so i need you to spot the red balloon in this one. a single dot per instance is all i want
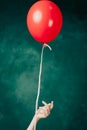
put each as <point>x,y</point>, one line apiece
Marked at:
<point>44,21</point>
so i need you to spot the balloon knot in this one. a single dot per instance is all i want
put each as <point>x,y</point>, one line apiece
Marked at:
<point>46,45</point>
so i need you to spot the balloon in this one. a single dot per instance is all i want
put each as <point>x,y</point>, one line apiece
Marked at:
<point>44,21</point>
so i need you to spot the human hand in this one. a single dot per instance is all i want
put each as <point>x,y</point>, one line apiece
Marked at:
<point>44,111</point>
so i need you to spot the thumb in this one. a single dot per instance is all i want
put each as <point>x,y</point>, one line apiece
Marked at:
<point>51,105</point>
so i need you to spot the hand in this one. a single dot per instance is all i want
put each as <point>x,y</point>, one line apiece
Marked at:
<point>44,111</point>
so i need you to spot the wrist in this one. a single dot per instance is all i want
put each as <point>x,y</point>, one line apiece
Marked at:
<point>36,117</point>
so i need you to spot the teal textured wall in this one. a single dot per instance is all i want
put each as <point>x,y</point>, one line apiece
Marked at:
<point>64,76</point>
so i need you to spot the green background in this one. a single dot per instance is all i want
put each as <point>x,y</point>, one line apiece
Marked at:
<point>64,77</point>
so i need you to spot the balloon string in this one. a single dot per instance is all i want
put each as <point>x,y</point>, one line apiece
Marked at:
<point>39,81</point>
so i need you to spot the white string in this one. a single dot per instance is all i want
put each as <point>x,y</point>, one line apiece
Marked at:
<point>39,81</point>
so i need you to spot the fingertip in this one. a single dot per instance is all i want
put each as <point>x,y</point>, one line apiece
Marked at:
<point>52,102</point>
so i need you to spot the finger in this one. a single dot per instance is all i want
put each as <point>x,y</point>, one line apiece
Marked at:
<point>52,102</point>
<point>44,111</point>
<point>44,103</point>
<point>45,108</point>
<point>41,111</point>
<point>51,105</point>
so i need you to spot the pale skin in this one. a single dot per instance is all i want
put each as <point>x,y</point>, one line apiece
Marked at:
<point>42,112</point>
